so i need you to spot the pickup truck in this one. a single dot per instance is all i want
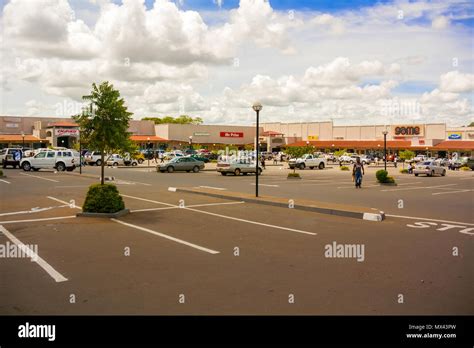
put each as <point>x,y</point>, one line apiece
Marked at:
<point>308,160</point>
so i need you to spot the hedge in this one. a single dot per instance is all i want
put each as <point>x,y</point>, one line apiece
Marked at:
<point>344,167</point>
<point>103,199</point>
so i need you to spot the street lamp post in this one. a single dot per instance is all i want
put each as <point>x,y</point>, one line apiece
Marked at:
<point>80,153</point>
<point>148,150</point>
<point>190,142</point>
<point>385,149</point>
<point>257,107</point>
<point>23,137</point>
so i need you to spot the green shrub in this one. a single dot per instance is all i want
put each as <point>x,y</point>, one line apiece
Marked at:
<point>103,199</point>
<point>213,161</point>
<point>404,171</point>
<point>344,168</point>
<point>464,167</point>
<point>1,172</point>
<point>293,175</point>
<point>381,175</point>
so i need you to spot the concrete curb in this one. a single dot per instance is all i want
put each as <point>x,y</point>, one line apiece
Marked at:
<point>317,207</point>
<point>105,215</point>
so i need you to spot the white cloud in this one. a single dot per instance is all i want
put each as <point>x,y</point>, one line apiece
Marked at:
<point>440,22</point>
<point>457,82</point>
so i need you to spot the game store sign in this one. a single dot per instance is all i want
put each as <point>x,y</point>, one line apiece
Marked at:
<point>407,130</point>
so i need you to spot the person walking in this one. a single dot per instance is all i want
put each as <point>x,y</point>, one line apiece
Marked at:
<point>395,159</point>
<point>357,172</point>
<point>262,162</point>
<point>161,156</point>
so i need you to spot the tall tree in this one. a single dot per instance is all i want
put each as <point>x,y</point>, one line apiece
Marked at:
<point>105,123</point>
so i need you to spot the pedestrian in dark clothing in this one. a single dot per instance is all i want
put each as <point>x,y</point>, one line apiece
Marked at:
<point>262,161</point>
<point>357,172</point>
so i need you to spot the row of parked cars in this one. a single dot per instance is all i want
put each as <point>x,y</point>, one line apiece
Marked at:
<point>59,158</point>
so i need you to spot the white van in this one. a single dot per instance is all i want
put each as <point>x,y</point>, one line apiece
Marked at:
<point>60,160</point>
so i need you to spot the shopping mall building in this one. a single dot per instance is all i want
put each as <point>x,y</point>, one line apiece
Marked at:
<point>434,138</point>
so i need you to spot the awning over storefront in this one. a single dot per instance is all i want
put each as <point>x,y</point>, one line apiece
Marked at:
<point>145,138</point>
<point>447,145</point>
<point>18,138</point>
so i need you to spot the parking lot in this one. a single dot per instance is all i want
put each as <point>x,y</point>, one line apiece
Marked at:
<point>179,253</point>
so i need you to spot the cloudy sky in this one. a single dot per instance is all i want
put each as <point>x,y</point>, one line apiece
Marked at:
<point>353,62</point>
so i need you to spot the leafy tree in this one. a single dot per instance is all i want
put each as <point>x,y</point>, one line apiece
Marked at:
<point>340,153</point>
<point>405,156</point>
<point>182,119</point>
<point>471,124</point>
<point>104,125</point>
<point>298,151</point>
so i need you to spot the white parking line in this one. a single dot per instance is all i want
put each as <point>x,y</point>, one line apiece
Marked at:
<point>252,222</point>
<point>265,185</point>
<point>214,188</point>
<point>417,188</point>
<point>37,220</point>
<point>32,210</point>
<point>352,186</point>
<point>447,193</point>
<point>64,202</point>
<point>178,207</point>
<point>149,200</point>
<point>223,216</point>
<point>428,219</point>
<point>195,246</point>
<point>39,177</point>
<point>58,277</point>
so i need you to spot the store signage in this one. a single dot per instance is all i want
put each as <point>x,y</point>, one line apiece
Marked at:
<point>232,134</point>
<point>63,132</point>
<point>408,130</point>
<point>454,136</point>
<point>201,134</point>
<point>313,137</point>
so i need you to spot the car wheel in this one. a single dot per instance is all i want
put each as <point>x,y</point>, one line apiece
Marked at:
<point>98,162</point>
<point>321,165</point>
<point>115,164</point>
<point>60,167</point>
<point>223,173</point>
<point>416,174</point>
<point>134,164</point>
<point>140,161</point>
<point>443,173</point>
<point>237,172</point>
<point>170,169</point>
<point>26,166</point>
<point>302,166</point>
<point>196,169</point>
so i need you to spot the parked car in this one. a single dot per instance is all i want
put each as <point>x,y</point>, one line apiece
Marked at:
<point>429,168</point>
<point>171,155</point>
<point>60,160</point>
<point>366,159</point>
<point>200,158</point>
<point>443,162</point>
<point>266,155</point>
<point>11,157</point>
<point>181,163</point>
<point>308,160</point>
<point>237,167</point>
<point>118,160</point>
<point>330,157</point>
<point>470,163</point>
<point>419,158</point>
<point>93,158</point>
<point>348,158</point>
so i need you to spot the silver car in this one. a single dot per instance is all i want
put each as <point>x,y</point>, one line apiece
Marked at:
<point>429,168</point>
<point>181,164</point>
<point>237,167</point>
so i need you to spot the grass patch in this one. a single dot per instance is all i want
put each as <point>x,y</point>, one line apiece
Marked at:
<point>344,168</point>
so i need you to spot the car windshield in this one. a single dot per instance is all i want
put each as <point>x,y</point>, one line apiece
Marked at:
<point>427,163</point>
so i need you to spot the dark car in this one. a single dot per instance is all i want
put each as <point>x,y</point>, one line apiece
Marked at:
<point>181,164</point>
<point>200,158</point>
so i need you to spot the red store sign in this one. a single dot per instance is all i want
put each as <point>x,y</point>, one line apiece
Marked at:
<point>232,134</point>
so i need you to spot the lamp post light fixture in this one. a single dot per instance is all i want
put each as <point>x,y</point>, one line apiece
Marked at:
<point>257,107</point>
<point>385,149</point>
<point>148,150</point>
<point>23,137</point>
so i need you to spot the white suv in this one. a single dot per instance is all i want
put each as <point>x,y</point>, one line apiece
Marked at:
<point>60,160</point>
